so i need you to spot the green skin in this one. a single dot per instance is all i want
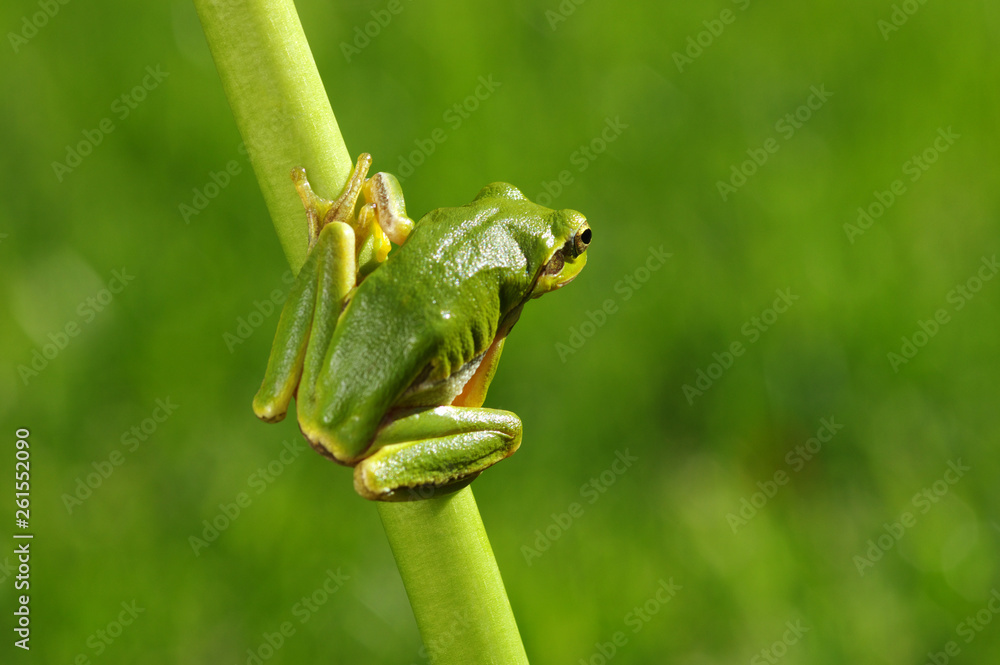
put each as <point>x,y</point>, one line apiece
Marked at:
<point>390,374</point>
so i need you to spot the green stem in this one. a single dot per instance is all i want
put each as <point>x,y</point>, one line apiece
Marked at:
<point>452,580</point>
<point>285,118</point>
<point>281,108</point>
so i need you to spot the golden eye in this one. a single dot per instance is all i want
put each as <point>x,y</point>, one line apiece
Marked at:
<point>581,240</point>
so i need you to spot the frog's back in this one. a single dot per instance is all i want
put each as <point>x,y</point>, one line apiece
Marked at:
<point>416,327</point>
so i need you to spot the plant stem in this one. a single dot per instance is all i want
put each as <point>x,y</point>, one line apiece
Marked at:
<point>281,108</point>
<point>285,118</point>
<point>452,580</point>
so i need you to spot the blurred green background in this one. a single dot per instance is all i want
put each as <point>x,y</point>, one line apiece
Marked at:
<point>700,506</point>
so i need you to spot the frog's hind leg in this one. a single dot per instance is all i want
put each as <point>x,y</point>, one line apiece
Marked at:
<point>336,274</point>
<point>429,451</point>
<point>307,321</point>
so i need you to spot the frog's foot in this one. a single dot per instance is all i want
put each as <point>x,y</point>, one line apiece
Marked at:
<point>384,199</point>
<point>435,451</point>
<point>320,211</point>
<point>372,245</point>
<point>381,219</point>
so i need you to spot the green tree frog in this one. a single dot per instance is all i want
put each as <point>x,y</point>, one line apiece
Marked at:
<point>389,355</point>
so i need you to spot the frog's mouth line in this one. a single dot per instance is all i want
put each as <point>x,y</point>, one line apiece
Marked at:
<point>571,269</point>
<point>557,273</point>
<point>559,285</point>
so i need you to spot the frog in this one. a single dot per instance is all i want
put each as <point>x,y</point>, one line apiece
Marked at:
<point>393,329</point>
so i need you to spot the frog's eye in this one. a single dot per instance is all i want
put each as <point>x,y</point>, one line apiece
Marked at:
<point>566,261</point>
<point>581,240</point>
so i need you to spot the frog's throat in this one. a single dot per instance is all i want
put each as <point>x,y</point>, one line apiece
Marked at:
<point>566,273</point>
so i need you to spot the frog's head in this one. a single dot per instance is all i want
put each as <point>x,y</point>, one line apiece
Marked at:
<point>563,262</point>
<point>554,242</point>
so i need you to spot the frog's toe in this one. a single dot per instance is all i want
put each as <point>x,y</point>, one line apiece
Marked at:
<point>269,416</point>
<point>269,407</point>
<point>384,195</point>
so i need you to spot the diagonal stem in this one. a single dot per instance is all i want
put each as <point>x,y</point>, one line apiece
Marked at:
<point>280,106</point>
<point>286,121</point>
<point>452,580</point>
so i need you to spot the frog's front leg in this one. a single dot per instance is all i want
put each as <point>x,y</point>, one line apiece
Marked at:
<point>384,201</point>
<point>381,219</point>
<point>320,211</point>
<point>435,449</point>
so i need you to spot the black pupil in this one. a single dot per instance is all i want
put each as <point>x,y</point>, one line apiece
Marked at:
<point>585,237</point>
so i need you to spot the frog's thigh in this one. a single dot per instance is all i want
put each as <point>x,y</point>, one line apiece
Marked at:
<point>284,366</point>
<point>336,273</point>
<point>434,449</point>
